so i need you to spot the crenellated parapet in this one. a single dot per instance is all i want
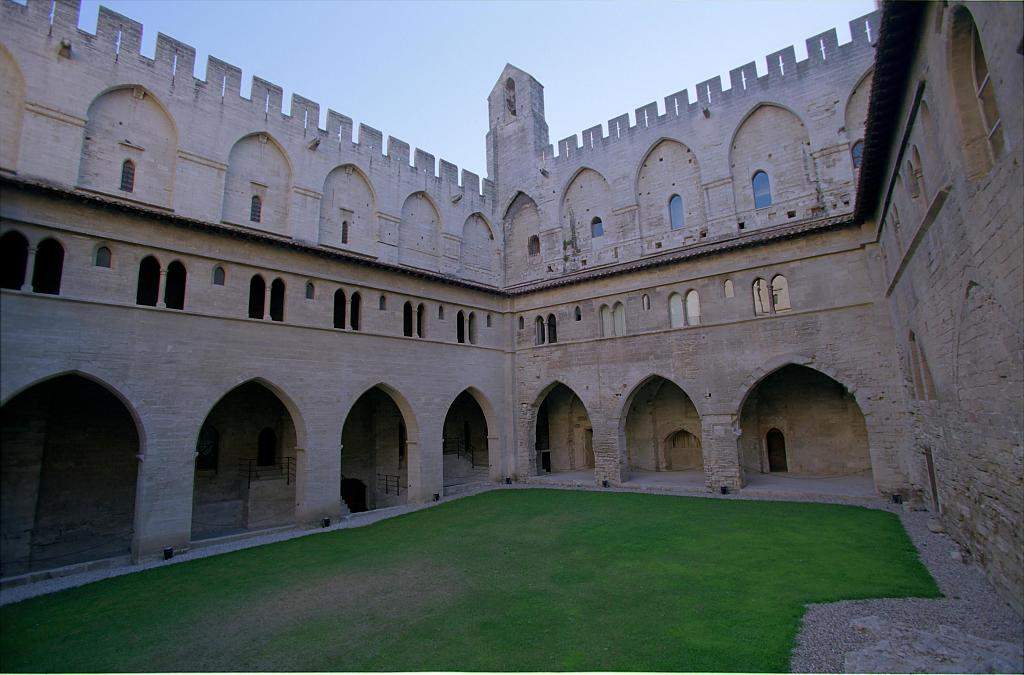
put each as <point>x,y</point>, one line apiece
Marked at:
<point>69,73</point>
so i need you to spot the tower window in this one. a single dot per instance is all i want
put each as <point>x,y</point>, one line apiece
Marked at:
<point>256,209</point>
<point>127,175</point>
<point>533,246</point>
<point>675,212</point>
<point>596,228</point>
<point>762,190</point>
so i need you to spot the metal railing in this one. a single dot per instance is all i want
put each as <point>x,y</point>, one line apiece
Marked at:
<point>389,483</point>
<point>457,446</point>
<point>250,470</point>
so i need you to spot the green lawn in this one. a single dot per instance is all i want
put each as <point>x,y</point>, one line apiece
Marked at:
<point>506,580</point>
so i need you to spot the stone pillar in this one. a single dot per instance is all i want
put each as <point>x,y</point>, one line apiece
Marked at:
<point>720,446</point>
<point>494,458</point>
<point>163,500</point>
<point>162,289</point>
<point>30,268</point>
<point>609,458</point>
<point>318,484</point>
<point>266,301</point>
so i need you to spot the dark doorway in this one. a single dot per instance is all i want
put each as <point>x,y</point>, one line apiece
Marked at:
<point>49,267</point>
<point>266,452</point>
<point>174,291</point>
<point>353,492</point>
<point>257,296</point>
<point>148,290</point>
<point>776,451</point>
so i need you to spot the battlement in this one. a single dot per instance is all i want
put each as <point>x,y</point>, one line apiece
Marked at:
<point>120,37</point>
<point>823,53</point>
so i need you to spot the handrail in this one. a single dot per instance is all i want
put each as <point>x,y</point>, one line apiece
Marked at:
<point>249,469</point>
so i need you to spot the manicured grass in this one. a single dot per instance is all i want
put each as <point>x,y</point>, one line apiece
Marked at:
<point>506,580</point>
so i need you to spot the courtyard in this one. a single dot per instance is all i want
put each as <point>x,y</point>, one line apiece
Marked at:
<point>505,580</point>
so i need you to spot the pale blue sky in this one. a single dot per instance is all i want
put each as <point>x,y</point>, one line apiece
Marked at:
<point>421,71</point>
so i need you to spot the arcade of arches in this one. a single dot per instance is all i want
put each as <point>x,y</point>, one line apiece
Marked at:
<point>663,429</point>
<point>564,436</point>
<point>374,453</point>
<point>465,449</point>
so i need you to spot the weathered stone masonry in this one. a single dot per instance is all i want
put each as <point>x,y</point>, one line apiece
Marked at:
<point>625,298</point>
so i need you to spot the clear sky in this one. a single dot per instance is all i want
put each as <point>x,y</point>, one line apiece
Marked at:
<point>421,71</point>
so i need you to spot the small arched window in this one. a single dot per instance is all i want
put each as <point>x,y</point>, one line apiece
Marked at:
<point>421,318</point>
<point>407,319</point>
<point>382,303</point>
<point>440,311</point>
<point>596,228</point>
<point>762,297</point>
<point>277,300</point>
<point>257,296</point>
<point>645,302</point>
<point>540,332</point>
<point>552,329</point>
<point>339,308</point>
<point>780,293</point>
<point>577,313</point>
<point>472,328</point>
<point>174,291</point>
<point>256,209</point>
<point>522,323</point>
<point>49,267</point>
<point>762,190</point>
<point>533,246</point>
<point>353,312</point>
<point>127,176</point>
<point>460,327</point>
<point>13,260</point>
<point>675,212</point>
<point>619,317</point>
<point>727,286</point>
<point>344,232</point>
<point>488,320</point>
<point>857,152</point>
<point>692,309</point>
<point>102,258</point>
<point>510,96</point>
<point>147,291</point>
<point>607,322</point>
<point>675,310</point>
<point>218,276</point>
<point>310,290</point>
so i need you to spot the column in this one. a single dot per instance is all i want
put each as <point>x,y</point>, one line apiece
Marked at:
<point>720,446</point>
<point>266,301</point>
<point>30,268</point>
<point>162,288</point>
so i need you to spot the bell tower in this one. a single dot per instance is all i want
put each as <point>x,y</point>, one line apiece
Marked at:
<point>517,134</point>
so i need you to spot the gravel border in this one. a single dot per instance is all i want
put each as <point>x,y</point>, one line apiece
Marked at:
<point>971,606</point>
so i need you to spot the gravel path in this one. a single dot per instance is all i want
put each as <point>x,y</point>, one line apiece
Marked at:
<point>971,610</point>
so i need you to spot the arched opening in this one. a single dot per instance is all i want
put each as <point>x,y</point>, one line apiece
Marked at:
<point>464,443</point>
<point>460,327</point>
<point>675,310</point>
<point>218,276</point>
<point>762,190</point>
<point>420,321</point>
<point>13,259</point>
<point>257,296</point>
<point>471,328</point>
<point>692,309</point>
<point>310,290</point>
<point>245,464</point>
<point>675,212</point>
<point>103,257</point>
<point>974,92</point>
<point>662,434</point>
<point>798,422</point>
<point>174,293</point>
<point>69,463</point>
<point>339,308</point>
<point>353,314</point>
<point>49,267</point>
<point>552,329</point>
<point>147,291</point>
<point>619,318</point>
<point>277,300</point>
<point>374,453</point>
<point>533,247</point>
<point>564,436</point>
<point>419,232</point>
<point>127,175</point>
<point>540,332</point>
<point>407,319</point>
<point>258,183</point>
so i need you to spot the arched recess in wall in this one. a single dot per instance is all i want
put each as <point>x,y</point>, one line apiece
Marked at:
<point>129,123</point>
<point>12,106</point>
<point>480,255</point>
<point>660,428</point>
<point>419,232</point>
<point>467,438</point>
<point>561,438</point>
<point>857,109</point>
<point>521,222</point>
<point>781,428</point>
<point>348,204</point>
<point>245,462</point>
<point>82,442</point>
<point>772,139</point>
<point>669,168</point>
<point>587,196</point>
<point>378,442</point>
<point>258,167</point>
